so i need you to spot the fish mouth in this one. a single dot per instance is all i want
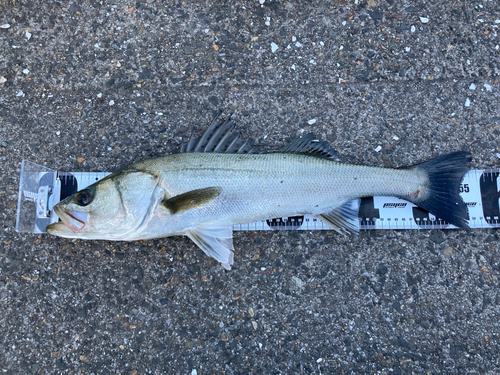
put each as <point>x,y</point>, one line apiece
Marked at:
<point>71,221</point>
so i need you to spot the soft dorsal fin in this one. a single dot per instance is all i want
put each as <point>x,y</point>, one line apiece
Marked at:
<point>220,137</point>
<point>309,145</point>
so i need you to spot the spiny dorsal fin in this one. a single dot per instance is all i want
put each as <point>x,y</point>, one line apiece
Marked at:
<point>220,137</point>
<point>344,219</point>
<point>309,145</point>
<point>191,199</point>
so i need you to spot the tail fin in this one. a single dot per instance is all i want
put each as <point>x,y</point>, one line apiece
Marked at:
<point>445,175</point>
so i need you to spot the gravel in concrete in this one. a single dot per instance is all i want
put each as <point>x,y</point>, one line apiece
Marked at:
<point>94,85</point>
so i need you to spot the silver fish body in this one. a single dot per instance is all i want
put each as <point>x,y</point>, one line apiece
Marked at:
<point>261,186</point>
<point>219,181</point>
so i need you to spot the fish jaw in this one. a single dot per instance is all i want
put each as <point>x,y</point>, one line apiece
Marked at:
<point>72,222</point>
<point>60,229</point>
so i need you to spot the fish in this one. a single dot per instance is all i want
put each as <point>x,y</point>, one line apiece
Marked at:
<point>217,180</point>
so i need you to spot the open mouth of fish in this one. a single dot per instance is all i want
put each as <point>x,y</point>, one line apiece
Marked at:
<point>73,221</point>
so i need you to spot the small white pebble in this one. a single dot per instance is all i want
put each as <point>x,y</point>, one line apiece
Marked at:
<point>424,19</point>
<point>111,102</point>
<point>487,87</point>
<point>268,21</point>
<point>28,35</point>
<point>298,44</point>
<point>319,360</point>
<point>413,28</point>
<point>58,132</point>
<point>261,2</point>
<point>396,138</point>
<point>194,372</point>
<point>274,47</point>
<point>407,49</point>
<point>498,155</point>
<point>5,26</point>
<point>3,79</point>
<point>260,345</point>
<point>472,86</point>
<point>118,64</point>
<point>20,93</point>
<point>378,148</point>
<point>99,95</point>
<point>497,21</point>
<point>312,121</point>
<point>293,66</point>
<point>294,38</point>
<point>96,45</point>
<point>467,102</point>
<point>26,71</point>
<point>312,62</point>
<point>344,23</point>
<point>321,43</point>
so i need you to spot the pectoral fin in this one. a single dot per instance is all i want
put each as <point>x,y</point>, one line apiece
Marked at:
<point>344,219</point>
<point>191,199</point>
<point>216,240</point>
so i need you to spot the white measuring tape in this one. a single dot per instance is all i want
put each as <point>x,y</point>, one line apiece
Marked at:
<point>41,188</point>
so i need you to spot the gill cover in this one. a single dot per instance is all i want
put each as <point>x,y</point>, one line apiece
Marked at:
<point>114,208</point>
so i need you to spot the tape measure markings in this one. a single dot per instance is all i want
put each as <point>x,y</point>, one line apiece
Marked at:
<point>480,190</point>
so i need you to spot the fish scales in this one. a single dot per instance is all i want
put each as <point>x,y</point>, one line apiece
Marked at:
<point>262,186</point>
<point>218,181</point>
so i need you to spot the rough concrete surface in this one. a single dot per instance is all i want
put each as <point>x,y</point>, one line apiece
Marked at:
<point>93,85</point>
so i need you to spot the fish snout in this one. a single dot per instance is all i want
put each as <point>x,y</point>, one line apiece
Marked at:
<point>73,220</point>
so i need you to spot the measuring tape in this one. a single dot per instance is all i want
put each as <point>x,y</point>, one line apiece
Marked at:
<point>42,188</point>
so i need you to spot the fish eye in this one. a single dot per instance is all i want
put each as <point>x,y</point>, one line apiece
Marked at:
<point>84,197</point>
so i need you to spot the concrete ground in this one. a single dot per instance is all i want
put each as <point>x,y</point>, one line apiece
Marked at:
<point>93,85</point>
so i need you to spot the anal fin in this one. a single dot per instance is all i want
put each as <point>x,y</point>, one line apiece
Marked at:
<point>344,219</point>
<point>216,240</point>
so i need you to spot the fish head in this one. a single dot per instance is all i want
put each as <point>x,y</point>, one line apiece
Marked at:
<point>111,209</point>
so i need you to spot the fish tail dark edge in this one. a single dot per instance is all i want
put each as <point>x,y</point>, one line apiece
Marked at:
<point>445,175</point>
